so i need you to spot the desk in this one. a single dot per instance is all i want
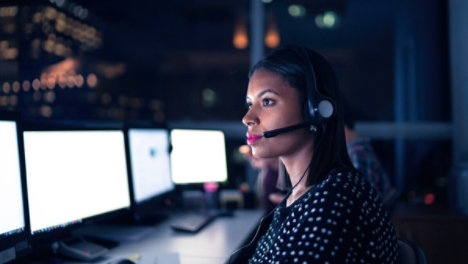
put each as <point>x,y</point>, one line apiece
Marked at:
<point>211,245</point>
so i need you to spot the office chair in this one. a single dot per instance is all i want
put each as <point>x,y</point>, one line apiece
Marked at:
<point>410,252</point>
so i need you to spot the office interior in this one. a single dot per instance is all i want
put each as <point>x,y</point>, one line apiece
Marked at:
<point>115,66</point>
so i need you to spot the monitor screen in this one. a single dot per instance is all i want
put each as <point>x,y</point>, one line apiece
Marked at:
<point>198,156</point>
<point>13,236</point>
<point>11,196</point>
<point>73,175</point>
<point>149,162</point>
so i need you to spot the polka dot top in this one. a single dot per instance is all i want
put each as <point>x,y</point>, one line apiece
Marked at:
<point>340,220</point>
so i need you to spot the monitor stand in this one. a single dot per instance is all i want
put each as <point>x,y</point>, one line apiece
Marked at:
<point>150,219</point>
<point>117,233</point>
<point>80,248</point>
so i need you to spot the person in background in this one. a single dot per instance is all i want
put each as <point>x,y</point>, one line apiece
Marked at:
<point>365,160</point>
<point>267,178</point>
<point>331,214</point>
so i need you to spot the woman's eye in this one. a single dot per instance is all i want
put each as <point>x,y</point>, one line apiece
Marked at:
<point>248,105</point>
<point>267,102</point>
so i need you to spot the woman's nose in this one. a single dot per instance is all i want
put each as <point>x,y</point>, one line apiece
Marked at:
<point>250,118</point>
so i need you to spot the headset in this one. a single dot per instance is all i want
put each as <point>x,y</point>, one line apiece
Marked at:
<point>318,109</point>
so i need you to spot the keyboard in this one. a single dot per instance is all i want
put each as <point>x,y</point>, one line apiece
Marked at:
<point>192,222</point>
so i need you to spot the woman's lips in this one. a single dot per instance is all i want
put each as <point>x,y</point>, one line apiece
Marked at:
<point>252,138</point>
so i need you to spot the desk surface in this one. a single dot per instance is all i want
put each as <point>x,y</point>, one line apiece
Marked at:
<point>213,244</point>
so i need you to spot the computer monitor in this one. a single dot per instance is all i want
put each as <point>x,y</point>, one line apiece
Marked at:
<point>74,176</point>
<point>198,156</point>
<point>13,223</point>
<point>149,163</point>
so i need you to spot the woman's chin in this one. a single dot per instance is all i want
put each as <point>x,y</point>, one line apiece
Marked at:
<point>262,154</point>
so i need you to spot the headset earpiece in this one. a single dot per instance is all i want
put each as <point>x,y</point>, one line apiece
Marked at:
<point>318,109</point>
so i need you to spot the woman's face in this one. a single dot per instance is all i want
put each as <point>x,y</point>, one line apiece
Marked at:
<point>273,104</point>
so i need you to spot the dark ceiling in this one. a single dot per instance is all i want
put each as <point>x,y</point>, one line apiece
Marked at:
<point>175,48</point>
<point>144,32</point>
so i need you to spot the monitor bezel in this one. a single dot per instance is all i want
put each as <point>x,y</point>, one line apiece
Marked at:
<point>20,241</point>
<point>147,207</point>
<point>64,231</point>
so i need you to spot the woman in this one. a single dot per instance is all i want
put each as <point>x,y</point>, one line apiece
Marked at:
<point>331,214</point>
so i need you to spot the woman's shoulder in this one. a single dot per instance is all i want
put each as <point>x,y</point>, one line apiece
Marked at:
<point>343,198</point>
<point>342,177</point>
<point>342,183</point>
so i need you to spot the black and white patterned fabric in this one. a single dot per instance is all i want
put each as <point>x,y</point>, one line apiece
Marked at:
<point>340,220</point>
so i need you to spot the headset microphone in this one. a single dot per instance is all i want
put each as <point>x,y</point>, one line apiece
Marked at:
<point>275,132</point>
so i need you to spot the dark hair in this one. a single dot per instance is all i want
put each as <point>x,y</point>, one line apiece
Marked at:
<point>330,146</point>
<point>348,114</point>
